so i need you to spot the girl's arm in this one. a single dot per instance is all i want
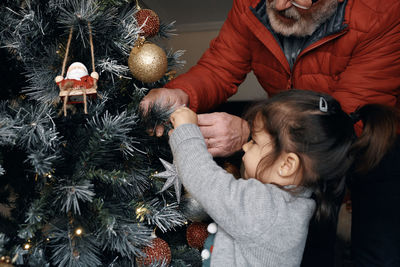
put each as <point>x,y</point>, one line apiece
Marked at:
<point>243,208</point>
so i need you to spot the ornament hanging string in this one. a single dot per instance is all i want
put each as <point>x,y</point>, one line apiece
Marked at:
<point>65,63</point>
<point>91,46</point>
<point>67,51</point>
<point>69,44</point>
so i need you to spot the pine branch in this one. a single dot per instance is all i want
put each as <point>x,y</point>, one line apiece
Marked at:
<point>42,161</point>
<point>8,133</point>
<point>124,237</point>
<point>167,30</point>
<point>3,242</point>
<point>72,250</point>
<point>124,184</point>
<point>111,66</point>
<point>40,75</point>
<point>157,115</point>
<point>155,212</point>
<point>37,258</point>
<point>185,256</point>
<point>108,134</point>
<point>36,127</point>
<point>69,194</point>
<point>174,61</point>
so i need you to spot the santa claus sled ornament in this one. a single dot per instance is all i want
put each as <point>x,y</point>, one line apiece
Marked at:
<point>77,85</point>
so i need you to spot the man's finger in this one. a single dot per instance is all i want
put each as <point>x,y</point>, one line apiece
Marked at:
<point>159,130</point>
<point>144,105</point>
<point>215,151</point>
<point>206,119</point>
<point>207,131</point>
<point>150,132</point>
<point>212,142</point>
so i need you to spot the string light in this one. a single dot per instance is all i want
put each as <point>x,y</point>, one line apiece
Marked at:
<point>5,259</point>
<point>78,231</point>
<point>27,246</point>
<point>141,213</point>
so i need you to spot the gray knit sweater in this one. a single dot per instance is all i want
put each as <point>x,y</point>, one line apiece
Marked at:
<point>258,224</point>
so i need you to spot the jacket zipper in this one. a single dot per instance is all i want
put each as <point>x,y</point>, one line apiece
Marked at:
<point>311,47</point>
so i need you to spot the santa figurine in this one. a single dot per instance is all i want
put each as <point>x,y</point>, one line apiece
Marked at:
<point>77,85</point>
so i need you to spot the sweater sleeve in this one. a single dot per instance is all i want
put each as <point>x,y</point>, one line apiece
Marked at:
<point>244,208</point>
<point>222,68</point>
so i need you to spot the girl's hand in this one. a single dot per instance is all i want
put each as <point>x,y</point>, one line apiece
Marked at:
<point>183,115</point>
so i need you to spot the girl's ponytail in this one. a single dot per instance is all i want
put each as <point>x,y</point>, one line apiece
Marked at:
<point>379,133</point>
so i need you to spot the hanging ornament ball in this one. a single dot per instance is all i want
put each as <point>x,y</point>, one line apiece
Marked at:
<point>149,21</point>
<point>192,209</point>
<point>157,251</point>
<point>148,62</point>
<point>196,234</point>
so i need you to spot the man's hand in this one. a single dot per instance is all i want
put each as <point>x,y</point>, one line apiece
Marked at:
<point>183,115</point>
<point>224,133</point>
<point>164,97</point>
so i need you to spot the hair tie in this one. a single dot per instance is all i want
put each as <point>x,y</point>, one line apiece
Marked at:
<point>355,117</point>
<point>323,104</point>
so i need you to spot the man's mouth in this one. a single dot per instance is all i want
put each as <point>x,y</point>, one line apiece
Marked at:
<point>287,20</point>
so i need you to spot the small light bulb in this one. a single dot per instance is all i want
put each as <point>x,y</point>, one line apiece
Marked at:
<point>27,246</point>
<point>78,231</point>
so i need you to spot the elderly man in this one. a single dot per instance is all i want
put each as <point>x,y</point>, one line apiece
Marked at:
<point>347,48</point>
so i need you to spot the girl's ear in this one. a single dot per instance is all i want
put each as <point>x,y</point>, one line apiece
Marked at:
<point>290,164</point>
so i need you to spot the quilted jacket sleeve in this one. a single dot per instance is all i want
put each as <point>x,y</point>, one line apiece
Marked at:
<point>222,67</point>
<point>373,73</point>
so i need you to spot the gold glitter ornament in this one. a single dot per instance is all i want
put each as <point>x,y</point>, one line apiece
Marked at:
<point>147,62</point>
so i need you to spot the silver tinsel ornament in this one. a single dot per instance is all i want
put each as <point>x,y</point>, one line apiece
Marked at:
<point>192,209</point>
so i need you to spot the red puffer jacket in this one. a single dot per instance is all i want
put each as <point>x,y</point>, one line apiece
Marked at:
<point>358,65</point>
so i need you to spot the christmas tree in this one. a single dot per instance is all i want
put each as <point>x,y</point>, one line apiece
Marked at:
<point>78,171</point>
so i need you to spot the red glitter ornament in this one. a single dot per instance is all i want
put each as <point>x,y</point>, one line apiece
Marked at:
<point>196,234</point>
<point>157,251</point>
<point>151,25</point>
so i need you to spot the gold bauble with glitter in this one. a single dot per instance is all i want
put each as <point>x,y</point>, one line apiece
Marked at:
<point>147,62</point>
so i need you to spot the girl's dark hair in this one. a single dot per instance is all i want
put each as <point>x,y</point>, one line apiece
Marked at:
<point>314,126</point>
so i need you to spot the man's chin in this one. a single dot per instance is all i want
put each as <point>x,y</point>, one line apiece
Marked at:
<point>289,26</point>
<point>294,22</point>
<point>284,21</point>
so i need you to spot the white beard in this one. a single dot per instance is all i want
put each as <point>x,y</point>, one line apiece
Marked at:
<point>303,25</point>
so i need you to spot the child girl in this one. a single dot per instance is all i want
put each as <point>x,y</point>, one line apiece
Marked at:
<point>302,145</point>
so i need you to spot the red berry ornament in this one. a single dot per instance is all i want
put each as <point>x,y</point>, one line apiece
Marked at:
<point>157,251</point>
<point>196,234</point>
<point>151,26</point>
